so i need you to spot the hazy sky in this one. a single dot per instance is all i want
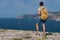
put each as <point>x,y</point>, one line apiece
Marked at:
<point>14,8</point>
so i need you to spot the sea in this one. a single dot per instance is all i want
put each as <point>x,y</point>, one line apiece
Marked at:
<point>28,24</point>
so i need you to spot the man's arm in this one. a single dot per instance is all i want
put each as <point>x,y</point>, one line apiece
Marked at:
<point>39,12</point>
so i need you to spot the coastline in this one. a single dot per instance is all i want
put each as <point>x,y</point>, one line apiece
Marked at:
<point>9,34</point>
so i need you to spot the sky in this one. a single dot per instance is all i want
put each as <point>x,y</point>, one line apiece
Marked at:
<point>14,8</point>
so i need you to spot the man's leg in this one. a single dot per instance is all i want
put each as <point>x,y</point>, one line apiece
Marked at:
<point>37,27</point>
<point>44,30</point>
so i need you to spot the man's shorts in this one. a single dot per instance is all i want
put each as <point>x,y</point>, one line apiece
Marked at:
<point>39,21</point>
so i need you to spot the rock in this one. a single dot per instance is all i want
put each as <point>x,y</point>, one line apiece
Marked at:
<point>27,35</point>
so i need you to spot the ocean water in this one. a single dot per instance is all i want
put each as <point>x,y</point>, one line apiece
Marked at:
<point>28,24</point>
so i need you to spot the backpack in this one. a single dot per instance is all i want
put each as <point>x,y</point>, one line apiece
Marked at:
<point>44,14</point>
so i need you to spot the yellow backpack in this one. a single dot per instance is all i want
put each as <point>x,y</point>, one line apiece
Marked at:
<point>44,14</point>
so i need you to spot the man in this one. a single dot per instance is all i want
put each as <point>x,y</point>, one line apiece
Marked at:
<point>41,20</point>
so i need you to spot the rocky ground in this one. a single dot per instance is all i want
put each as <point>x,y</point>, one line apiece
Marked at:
<point>26,35</point>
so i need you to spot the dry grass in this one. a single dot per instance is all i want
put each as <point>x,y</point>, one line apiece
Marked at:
<point>16,39</point>
<point>26,37</point>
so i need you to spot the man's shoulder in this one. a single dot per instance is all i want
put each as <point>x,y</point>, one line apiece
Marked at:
<point>43,7</point>
<point>39,8</point>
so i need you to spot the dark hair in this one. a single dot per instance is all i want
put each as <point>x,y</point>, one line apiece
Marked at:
<point>41,3</point>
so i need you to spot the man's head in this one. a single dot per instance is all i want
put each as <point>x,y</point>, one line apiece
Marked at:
<point>41,3</point>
